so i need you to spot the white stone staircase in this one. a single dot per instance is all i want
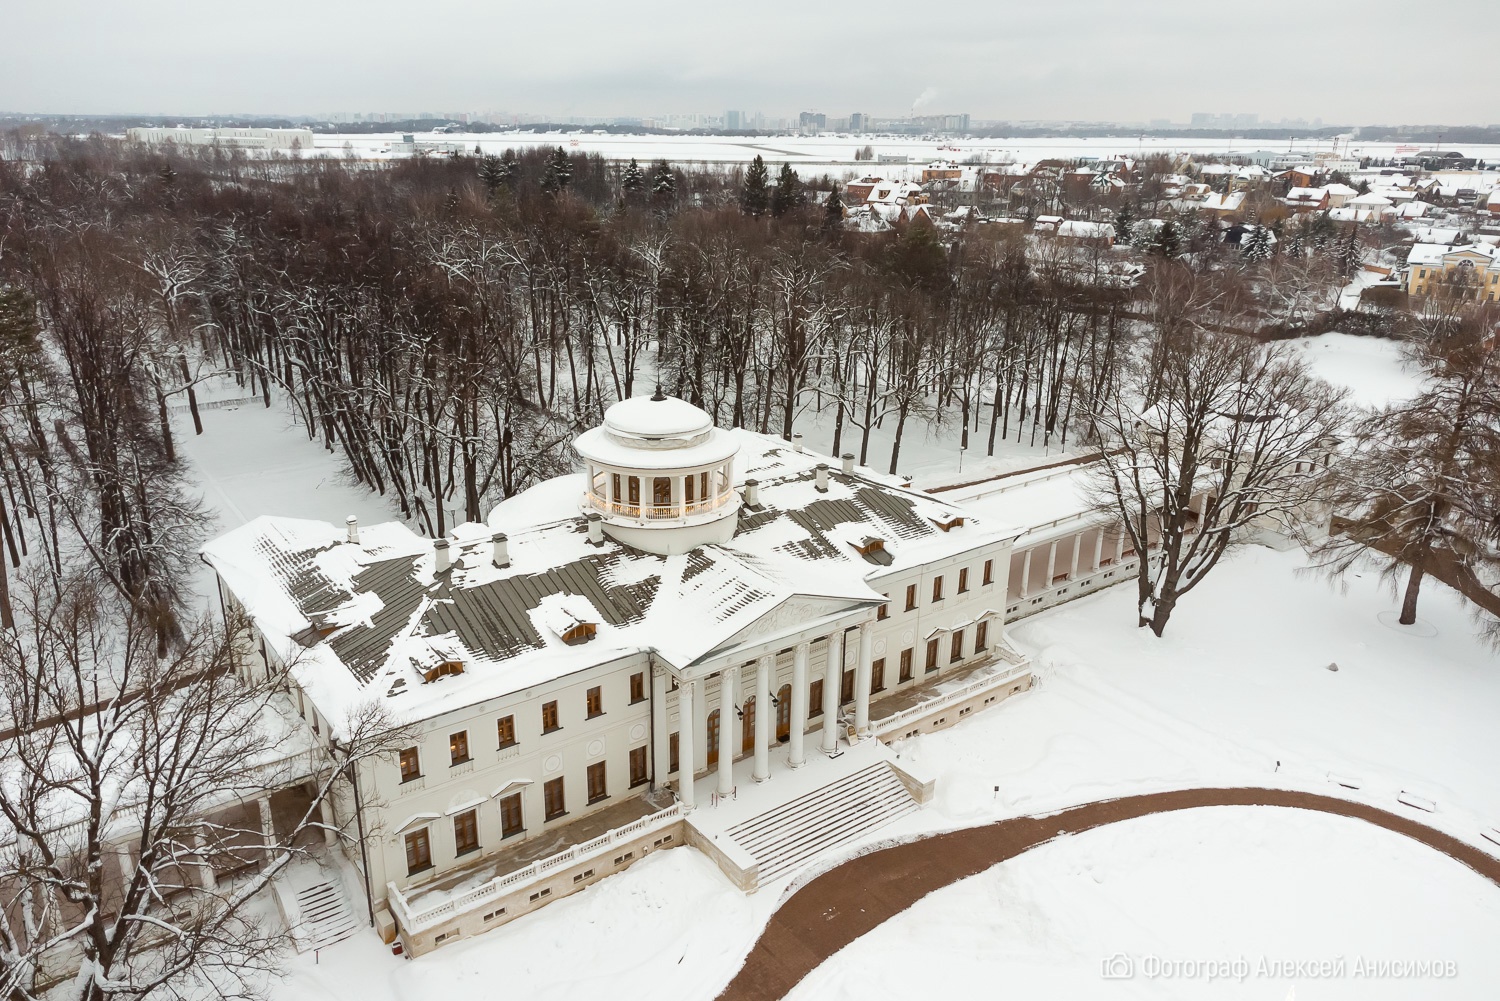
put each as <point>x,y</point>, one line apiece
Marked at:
<point>323,915</point>
<point>790,834</point>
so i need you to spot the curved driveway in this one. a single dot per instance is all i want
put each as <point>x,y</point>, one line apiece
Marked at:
<point>844,903</point>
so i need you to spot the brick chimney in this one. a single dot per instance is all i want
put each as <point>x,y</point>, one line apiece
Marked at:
<point>441,560</point>
<point>351,529</point>
<point>502,550</point>
<point>822,477</point>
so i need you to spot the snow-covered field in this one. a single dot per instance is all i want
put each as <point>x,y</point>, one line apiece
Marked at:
<point>838,150</point>
<point>1372,369</point>
<point>1212,903</point>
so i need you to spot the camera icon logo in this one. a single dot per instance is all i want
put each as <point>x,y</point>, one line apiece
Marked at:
<point>1118,967</point>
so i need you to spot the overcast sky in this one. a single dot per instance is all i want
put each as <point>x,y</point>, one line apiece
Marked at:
<point>1048,59</point>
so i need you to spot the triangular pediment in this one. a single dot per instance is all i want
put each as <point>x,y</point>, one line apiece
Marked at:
<point>790,616</point>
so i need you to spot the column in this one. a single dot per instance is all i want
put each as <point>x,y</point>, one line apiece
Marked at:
<point>1120,545</point>
<point>729,726</point>
<point>862,679</point>
<point>1026,574</point>
<point>205,870</point>
<point>832,678</point>
<point>799,703</point>
<point>661,734</point>
<point>764,714</point>
<point>330,822</point>
<point>1077,545</point>
<point>267,826</point>
<point>1098,545</point>
<point>676,484</point>
<point>1051,563</point>
<point>609,490</point>
<point>687,731</point>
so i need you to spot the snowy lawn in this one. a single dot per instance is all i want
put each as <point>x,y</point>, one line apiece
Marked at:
<point>1263,887</point>
<point>1238,692</point>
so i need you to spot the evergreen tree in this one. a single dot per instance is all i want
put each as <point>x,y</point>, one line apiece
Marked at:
<point>663,186</point>
<point>787,195</point>
<point>1257,245</point>
<point>1347,256</point>
<point>755,196</point>
<point>633,181</point>
<point>1124,219</point>
<point>833,209</point>
<point>1167,242</point>
<point>1321,230</point>
<point>510,167</point>
<point>559,172</point>
<point>492,173</point>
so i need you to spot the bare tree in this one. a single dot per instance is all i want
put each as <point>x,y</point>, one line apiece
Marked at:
<point>1417,492</point>
<point>1206,437</point>
<point>131,780</point>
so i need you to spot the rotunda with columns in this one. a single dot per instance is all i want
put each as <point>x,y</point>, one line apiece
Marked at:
<point>660,475</point>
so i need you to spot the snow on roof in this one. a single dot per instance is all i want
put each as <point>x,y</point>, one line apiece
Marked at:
<point>1430,254</point>
<point>355,623</point>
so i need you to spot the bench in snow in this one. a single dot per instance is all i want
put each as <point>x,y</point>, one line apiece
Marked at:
<point>1416,802</point>
<point>1347,781</point>
<point>1491,834</point>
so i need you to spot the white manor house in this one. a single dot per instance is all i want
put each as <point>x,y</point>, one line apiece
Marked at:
<point>708,637</point>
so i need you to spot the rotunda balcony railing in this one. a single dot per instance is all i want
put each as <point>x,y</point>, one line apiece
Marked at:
<point>659,512</point>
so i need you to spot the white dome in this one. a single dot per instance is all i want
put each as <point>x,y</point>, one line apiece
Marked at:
<point>656,417</point>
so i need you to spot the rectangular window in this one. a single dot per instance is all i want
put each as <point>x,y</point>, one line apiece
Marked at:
<point>505,729</point>
<point>595,698</point>
<point>458,747</point>
<point>637,688</point>
<point>877,675</point>
<point>510,815</point>
<point>411,764</point>
<point>905,674</point>
<point>937,588</point>
<point>981,636</point>
<point>884,611</point>
<point>466,832</point>
<point>956,654</point>
<point>989,571</point>
<point>552,799</point>
<point>963,580</point>
<point>549,717</point>
<point>638,774</point>
<point>932,655</point>
<point>911,596</point>
<point>846,687</point>
<point>815,699</point>
<point>418,852</point>
<point>597,791</point>
<point>672,765</point>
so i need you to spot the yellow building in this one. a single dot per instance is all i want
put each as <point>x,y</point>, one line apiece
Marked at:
<point>1472,272</point>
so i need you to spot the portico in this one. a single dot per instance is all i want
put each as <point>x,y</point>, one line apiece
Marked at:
<point>747,701</point>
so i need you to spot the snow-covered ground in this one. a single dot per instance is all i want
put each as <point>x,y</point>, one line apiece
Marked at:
<point>1372,369</point>
<point>840,149</point>
<point>1210,903</point>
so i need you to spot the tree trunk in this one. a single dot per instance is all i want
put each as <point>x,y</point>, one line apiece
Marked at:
<point>1409,601</point>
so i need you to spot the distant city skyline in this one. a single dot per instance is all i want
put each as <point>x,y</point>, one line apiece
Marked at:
<point>1082,60</point>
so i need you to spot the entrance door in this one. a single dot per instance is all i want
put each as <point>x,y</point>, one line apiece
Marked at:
<point>747,732</point>
<point>713,738</point>
<point>784,713</point>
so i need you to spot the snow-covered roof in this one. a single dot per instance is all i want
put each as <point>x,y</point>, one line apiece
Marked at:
<point>368,620</point>
<point>1435,254</point>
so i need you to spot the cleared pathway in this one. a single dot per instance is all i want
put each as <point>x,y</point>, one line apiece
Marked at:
<point>846,902</point>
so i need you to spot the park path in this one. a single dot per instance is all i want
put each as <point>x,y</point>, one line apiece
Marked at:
<point>839,906</point>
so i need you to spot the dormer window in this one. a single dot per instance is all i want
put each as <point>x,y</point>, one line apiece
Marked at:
<point>443,670</point>
<point>948,522</point>
<point>872,548</point>
<point>581,632</point>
